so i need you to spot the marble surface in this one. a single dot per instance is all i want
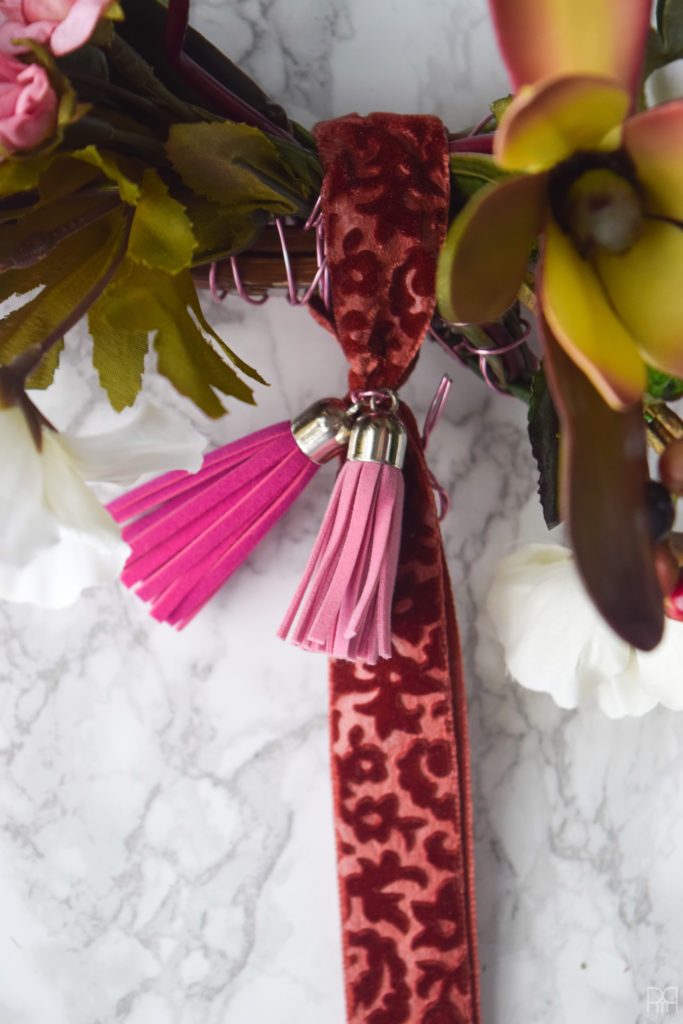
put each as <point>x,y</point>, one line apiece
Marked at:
<point>166,843</point>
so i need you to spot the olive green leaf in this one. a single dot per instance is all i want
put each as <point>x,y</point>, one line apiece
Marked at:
<point>118,354</point>
<point>161,235</point>
<point>471,172</point>
<point>42,227</point>
<point>498,107</point>
<point>19,174</point>
<point>221,231</point>
<point>144,300</point>
<point>236,165</point>
<point>81,260</point>
<point>114,167</point>
<point>65,175</point>
<point>44,375</point>
<point>192,300</point>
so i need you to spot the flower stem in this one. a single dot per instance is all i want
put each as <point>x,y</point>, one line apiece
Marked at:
<point>27,362</point>
<point>39,245</point>
<point>89,131</point>
<point>131,66</point>
<point>228,102</point>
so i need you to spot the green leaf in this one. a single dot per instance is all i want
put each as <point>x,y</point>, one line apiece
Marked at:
<point>236,165</point>
<point>161,235</point>
<point>472,171</point>
<point>219,231</point>
<point>118,354</point>
<point>21,174</point>
<point>64,176</point>
<point>544,435</point>
<point>64,260</point>
<point>670,25</point>
<point>192,300</point>
<point>303,162</point>
<point>44,226</point>
<point>662,387</point>
<point>44,375</point>
<point>86,256</point>
<point>498,107</point>
<point>655,54</point>
<point>145,300</point>
<point>604,502</point>
<point>115,168</point>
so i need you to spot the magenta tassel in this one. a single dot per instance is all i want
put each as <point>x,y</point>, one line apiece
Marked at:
<point>194,530</point>
<point>343,603</point>
<point>189,531</point>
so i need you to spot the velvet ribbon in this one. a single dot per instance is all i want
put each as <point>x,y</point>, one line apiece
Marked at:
<point>400,758</point>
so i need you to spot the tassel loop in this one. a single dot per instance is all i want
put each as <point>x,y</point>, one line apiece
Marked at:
<point>343,603</point>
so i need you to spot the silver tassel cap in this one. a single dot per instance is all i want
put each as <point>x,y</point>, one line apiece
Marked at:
<point>377,435</point>
<point>322,430</point>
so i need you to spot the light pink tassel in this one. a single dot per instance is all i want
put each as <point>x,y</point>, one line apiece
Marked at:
<point>343,603</point>
<point>190,532</point>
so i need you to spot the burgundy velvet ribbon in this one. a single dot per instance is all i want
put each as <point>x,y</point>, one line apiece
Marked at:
<point>400,757</point>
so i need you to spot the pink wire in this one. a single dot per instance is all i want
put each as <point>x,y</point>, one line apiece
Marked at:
<point>480,125</point>
<point>431,420</point>
<point>482,353</point>
<point>239,287</point>
<point>321,279</point>
<point>293,297</point>
<point>215,294</point>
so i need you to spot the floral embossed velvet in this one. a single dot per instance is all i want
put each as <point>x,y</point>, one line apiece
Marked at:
<point>385,213</point>
<point>399,730</point>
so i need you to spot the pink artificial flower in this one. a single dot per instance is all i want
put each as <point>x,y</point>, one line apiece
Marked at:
<point>28,105</point>
<point>65,24</point>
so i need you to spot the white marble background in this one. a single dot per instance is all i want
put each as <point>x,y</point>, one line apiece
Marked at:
<point>166,844</point>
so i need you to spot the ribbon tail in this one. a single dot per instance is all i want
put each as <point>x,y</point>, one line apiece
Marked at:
<point>402,802</point>
<point>462,750</point>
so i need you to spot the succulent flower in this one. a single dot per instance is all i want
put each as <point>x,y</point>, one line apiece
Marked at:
<point>602,187</point>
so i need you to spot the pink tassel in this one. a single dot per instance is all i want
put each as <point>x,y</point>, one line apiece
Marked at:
<point>343,602</point>
<point>190,532</point>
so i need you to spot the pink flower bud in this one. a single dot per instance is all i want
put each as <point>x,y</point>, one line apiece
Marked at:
<point>65,24</point>
<point>28,105</point>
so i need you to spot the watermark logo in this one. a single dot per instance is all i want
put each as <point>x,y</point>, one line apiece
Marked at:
<point>661,1002</point>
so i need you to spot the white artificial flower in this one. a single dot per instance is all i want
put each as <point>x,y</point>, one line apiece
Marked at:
<point>55,536</point>
<point>556,642</point>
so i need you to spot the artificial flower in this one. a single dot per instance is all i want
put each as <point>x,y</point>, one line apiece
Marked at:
<point>65,24</point>
<point>55,536</point>
<point>28,105</point>
<point>602,187</point>
<point>555,641</point>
